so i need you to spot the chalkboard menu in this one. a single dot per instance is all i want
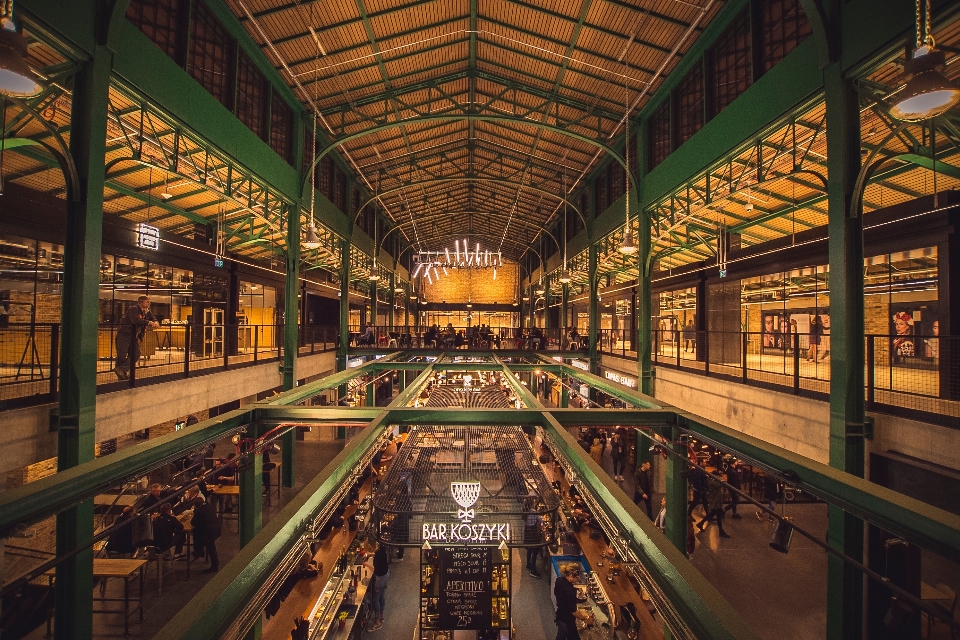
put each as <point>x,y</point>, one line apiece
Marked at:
<point>464,587</point>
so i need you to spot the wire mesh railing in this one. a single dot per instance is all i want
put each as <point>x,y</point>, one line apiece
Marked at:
<point>30,354</point>
<point>912,373</point>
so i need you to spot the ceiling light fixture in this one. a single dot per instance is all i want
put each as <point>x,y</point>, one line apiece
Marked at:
<point>628,246</point>
<point>928,93</point>
<point>565,273</point>
<point>16,78</point>
<point>312,240</point>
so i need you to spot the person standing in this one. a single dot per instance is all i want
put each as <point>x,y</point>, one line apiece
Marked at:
<point>714,504</point>
<point>733,479</point>
<point>596,450</point>
<point>617,452</point>
<point>168,531</point>
<point>642,488</point>
<point>120,541</point>
<point>698,481</point>
<point>206,530</point>
<point>816,332</point>
<point>689,337</point>
<point>566,597</point>
<point>132,327</point>
<point>661,520</point>
<point>381,576</point>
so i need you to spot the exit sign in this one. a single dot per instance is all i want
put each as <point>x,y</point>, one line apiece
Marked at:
<point>218,263</point>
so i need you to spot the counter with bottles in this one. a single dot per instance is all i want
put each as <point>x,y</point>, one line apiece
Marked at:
<point>339,606</point>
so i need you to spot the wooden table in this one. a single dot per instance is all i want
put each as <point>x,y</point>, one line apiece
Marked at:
<point>929,592</point>
<point>105,568</point>
<point>228,490</point>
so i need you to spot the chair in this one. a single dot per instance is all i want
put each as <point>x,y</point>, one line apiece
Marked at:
<point>164,562</point>
<point>948,613</point>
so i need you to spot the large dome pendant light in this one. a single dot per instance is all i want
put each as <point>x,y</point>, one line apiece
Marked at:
<point>312,240</point>
<point>17,80</point>
<point>628,246</point>
<point>928,93</point>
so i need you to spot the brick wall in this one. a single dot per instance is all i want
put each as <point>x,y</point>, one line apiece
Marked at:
<point>459,285</point>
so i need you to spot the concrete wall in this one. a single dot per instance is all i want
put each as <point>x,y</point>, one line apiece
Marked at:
<point>26,432</point>
<point>797,424</point>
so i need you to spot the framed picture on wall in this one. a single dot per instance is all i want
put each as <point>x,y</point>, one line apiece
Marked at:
<point>914,331</point>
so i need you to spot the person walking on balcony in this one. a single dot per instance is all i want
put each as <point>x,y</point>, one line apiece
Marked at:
<point>642,488</point>
<point>132,327</point>
<point>617,452</point>
<point>689,337</point>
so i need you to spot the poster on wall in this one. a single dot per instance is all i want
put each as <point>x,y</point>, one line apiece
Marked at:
<point>915,331</point>
<point>778,328</point>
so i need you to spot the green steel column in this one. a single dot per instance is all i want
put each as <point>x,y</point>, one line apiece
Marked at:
<point>78,361</point>
<point>532,321</point>
<point>392,298</point>
<point>643,295</point>
<point>594,329</point>
<point>371,396</point>
<point>845,583</point>
<point>373,303</point>
<point>643,448</point>
<point>565,309</point>
<point>676,524</point>
<point>546,304</point>
<point>290,331</point>
<point>564,395</point>
<point>344,346</point>
<point>251,498</point>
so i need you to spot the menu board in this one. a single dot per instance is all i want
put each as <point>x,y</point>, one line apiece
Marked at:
<point>465,598</point>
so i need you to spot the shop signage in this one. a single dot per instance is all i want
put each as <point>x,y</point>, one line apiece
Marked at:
<point>580,364</point>
<point>621,379</point>
<point>356,362</point>
<point>465,531</point>
<point>465,596</point>
<point>148,237</point>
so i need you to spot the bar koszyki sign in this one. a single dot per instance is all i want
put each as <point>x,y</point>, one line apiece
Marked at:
<point>464,531</point>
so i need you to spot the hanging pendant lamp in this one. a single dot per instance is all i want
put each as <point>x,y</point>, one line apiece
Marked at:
<point>16,77</point>
<point>928,93</point>
<point>312,240</point>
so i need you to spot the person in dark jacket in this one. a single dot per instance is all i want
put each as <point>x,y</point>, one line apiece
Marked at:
<point>698,480</point>
<point>733,479</point>
<point>715,504</point>
<point>206,530</point>
<point>618,452</point>
<point>132,327</point>
<point>566,597</point>
<point>642,488</point>
<point>168,531</point>
<point>121,540</point>
<point>771,493</point>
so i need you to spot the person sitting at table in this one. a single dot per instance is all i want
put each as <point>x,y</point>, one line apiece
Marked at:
<point>168,531</point>
<point>536,338</point>
<point>120,541</point>
<point>430,337</point>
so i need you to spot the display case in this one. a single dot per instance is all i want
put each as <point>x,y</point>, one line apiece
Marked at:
<point>344,591</point>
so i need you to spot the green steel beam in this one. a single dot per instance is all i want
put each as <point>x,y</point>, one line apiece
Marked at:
<point>845,595</point>
<point>76,411</point>
<point>220,602</point>
<point>470,117</point>
<point>697,603</point>
<point>56,493</point>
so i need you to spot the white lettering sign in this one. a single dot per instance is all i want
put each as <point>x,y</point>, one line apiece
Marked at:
<point>621,379</point>
<point>465,494</point>
<point>580,364</point>
<point>148,237</point>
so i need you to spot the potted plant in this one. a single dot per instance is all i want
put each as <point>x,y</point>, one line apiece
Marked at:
<point>342,619</point>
